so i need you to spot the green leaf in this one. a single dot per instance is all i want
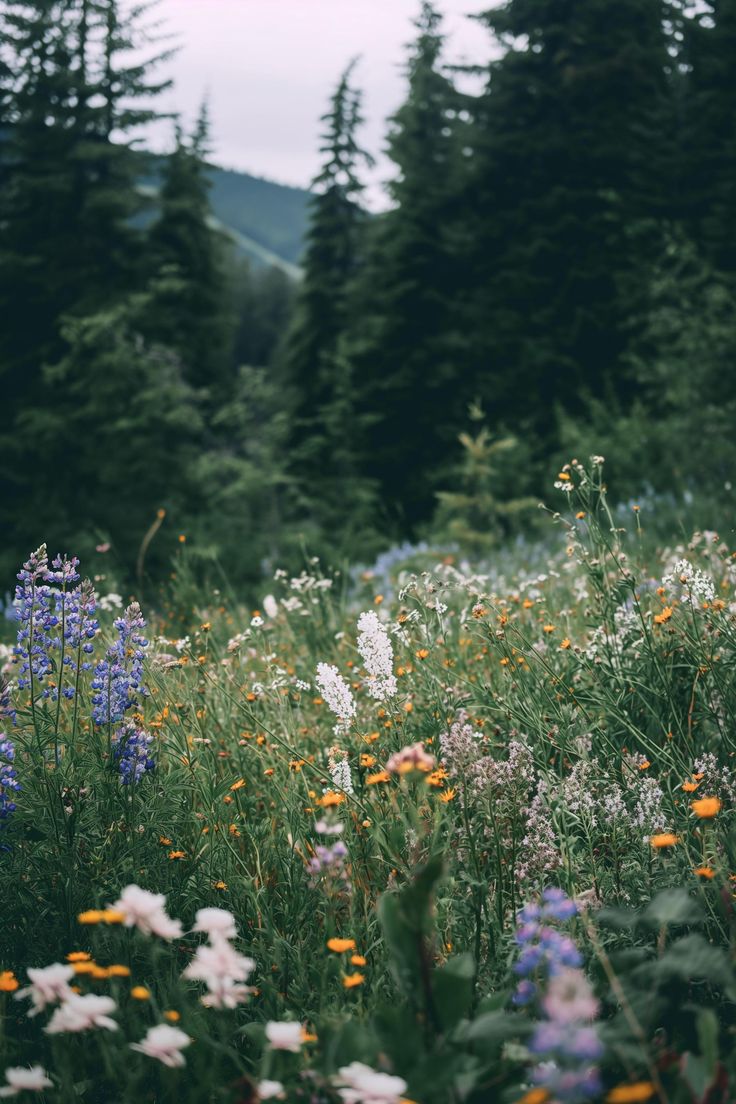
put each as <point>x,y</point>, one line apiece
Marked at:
<point>492,1029</point>
<point>694,959</point>
<point>452,987</point>
<point>673,906</point>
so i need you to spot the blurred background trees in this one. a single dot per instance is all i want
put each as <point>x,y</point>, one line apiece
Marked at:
<point>560,248</point>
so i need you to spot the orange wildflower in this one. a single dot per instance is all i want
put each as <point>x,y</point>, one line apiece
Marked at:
<point>664,839</point>
<point>329,799</point>
<point>8,981</point>
<point>339,946</point>
<point>350,981</point>
<point>704,872</point>
<point>706,807</point>
<point>635,1093</point>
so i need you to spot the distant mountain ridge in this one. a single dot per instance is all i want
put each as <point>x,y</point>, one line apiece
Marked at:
<point>267,222</point>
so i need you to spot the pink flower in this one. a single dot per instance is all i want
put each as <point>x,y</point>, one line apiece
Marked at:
<point>362,1085</point>
<point>569,998</point>
<point>79,1013</point>
<point>164,1043</point>
<point>49,985</point>
<point>21,1079</point>
<point>284,1035</point>
<point>410,758</point>
<point>146,911</point>
<point>214,922</point>
<point>220,967</point>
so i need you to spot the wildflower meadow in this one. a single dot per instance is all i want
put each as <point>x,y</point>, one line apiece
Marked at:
<point>443,832</point>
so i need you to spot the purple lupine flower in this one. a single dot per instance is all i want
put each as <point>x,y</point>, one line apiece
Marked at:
<point>327,867</point>
<point>565,1038</point>
<point>130,748</point>
<point>9,783</point>
<point>118,679</point>
<point>56,617</point>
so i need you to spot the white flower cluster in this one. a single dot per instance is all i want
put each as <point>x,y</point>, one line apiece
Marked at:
<point>340,772</point>
<point>377,653</point>
<point>336,692</point>
<point>223,969</point>
<point>690,583</point>
<point>217,963</point>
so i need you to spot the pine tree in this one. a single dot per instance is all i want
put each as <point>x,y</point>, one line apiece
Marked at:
<point>404,338</point>
<point>567,159</point>
<point>326,428</point>
<point>190,312</point>
<point>709,129</point>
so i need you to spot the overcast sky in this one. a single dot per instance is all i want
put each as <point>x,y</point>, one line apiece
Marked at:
<point>269,66</point>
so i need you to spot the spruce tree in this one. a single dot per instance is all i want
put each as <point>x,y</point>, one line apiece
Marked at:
<point>333,496</point>
<point>568,158</point>
<point>405,342</point>
<point>190,311</point>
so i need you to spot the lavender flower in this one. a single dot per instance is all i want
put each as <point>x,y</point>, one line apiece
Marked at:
<point>8,778</point>
<point>130,748</point>
<point>118,679</point>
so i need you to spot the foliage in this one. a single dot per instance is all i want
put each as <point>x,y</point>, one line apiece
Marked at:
<point>393,872</point>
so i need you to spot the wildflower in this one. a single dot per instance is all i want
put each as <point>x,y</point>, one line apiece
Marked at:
<point>665,615</point>
<point>706,807</point>
<point>375,648</point>
<point>165,1044</point>
<point>339,946</point>
<point>336,693</point>
<point>379,776</point>
<point>25,1079</point>
<point>172,1015</point>
<point>448,795</point>
<point>569,998</point>
<point>237,785</point>
<point>689,787</point>
<point>177,854</point>
<point>118,970</point>
<point>704,872</point>
<point>268,1090</point>
<point>81,1013</point>
<point>327,800</point>
<point>358,960</point>
<point>690,580</point>
<point>284,1035</point>
<point>145,911</point>
<point>118,678</point>
<point>9,783</point>
<point>270,606</point>
<point>215,922</point>
<point>359,1084</point>
<point>350,981</point>
<point>49,985</point>
<point>222,969</point>
<point>635,1093</point>
<point>8,981</point>
<point>78,956</point>
<point>91,916</point>
<point>663,839</point>
<point>410,758</point>
<point>130,746</point>
<point>140,993</point>
<point>340,772</point>
<point>327,865</point>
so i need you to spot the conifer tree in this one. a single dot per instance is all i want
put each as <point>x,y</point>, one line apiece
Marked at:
<point>190,310</point>
<point>326,428</point>
<point>567,161</point>
<point>405,341</point>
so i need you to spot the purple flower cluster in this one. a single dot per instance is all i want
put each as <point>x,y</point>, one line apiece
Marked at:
<point>56,624</point>
<point>118,678</point>
<point>327,865</point>
<point>130,749</point>
<point>549,964</point>
<point>8,780</point>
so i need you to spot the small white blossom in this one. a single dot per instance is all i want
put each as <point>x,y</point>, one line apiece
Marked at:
<point>81,1013</point>
<point>375,648</point>
<point>284,1035</point>
<point>165,1043</point>
<point>336,692</point>
<point>22,1079</point>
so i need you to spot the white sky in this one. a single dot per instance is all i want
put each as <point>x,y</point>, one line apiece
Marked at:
<point>269,66</point>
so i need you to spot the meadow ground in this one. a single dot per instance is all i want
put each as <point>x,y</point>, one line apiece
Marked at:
<point>450,833</point>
